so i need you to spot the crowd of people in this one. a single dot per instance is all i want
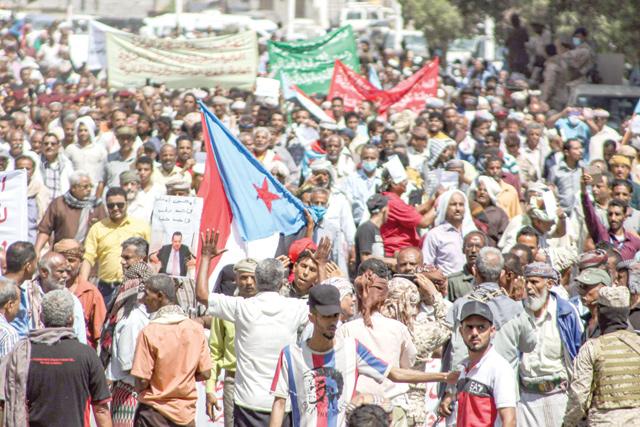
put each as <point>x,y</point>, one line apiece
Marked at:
<point>471,264</point>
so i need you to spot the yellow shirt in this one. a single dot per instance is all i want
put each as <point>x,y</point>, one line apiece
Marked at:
<point>222,348</point>
<point>103,244</point>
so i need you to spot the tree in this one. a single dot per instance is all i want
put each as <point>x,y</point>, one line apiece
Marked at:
<point>440,20</point>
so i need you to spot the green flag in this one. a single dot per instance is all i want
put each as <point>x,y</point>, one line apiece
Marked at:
<point>309,63</point>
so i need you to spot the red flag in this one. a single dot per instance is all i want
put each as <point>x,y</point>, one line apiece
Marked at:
<point>408,94</point>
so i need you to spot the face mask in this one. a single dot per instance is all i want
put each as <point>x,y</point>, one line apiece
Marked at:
<point>574,120</point>
<point>370,165</point>
<point>576,41</point>
<point>376,139</point>
<point>318,212</point>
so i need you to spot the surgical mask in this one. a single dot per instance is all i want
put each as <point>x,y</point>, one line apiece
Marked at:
<point>318,212</point>
<point>576,41</point>
<point>376,139</point>
<point>370,165</point>
<point>574,120</point>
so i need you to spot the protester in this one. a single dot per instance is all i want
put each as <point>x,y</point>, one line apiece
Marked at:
<point>486,388</point>
<point>443,245</point>
<point>71,215</point>
<point>171,342</point>
<point>264,324</point>
<point>544,372</point>
<point>9,306</point>
<point>337,381</point>
<point>51,362</point>
<point>102,245</point>
<point>89,296</point>
<point>21,265</point>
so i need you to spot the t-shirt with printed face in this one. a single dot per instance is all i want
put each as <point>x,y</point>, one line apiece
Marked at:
<point>320,385</point>
<point>63,379</point>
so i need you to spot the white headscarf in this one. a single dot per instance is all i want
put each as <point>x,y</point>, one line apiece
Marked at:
<point>441,212</point>
<point>492,186</point>
<point>90,125</point>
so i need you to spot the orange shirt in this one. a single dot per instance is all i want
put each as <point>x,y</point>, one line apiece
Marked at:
<point>94,310</point>
<point>169,356</point>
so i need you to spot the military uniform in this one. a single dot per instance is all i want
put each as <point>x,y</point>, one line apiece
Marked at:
<point>460,284</point>
<point>605,386</point>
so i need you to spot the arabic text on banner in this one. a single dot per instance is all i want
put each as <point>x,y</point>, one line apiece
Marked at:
<point>13,207</point>
<point>309,64</point>
<point>227,61</point>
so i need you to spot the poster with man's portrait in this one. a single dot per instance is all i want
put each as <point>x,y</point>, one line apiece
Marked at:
<point>175,224</point>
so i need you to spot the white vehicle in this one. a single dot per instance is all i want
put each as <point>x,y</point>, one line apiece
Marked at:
<point>303,29</point>
<point>361,15</point>
<point>481,47</point>
<point>412,40</point>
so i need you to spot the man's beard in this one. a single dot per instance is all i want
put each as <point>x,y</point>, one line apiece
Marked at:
<point>537,302</point>
<point>52,285</point>
<point>131,195</point>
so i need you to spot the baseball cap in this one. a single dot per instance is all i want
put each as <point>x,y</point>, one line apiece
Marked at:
<point>325,300</point>
<point>247,265</point>
<point>376,203</point>
<point>476,308</point>
<point>594,276</point>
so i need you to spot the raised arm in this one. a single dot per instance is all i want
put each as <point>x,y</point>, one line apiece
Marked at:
<point>597,230</point>
<point>208,251</point>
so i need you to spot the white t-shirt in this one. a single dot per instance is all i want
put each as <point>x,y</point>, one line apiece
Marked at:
<point>484,388</point>
<point>321,385</point>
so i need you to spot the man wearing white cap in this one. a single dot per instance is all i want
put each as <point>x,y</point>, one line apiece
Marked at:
<point>601,133</point>
<point>400,229</point>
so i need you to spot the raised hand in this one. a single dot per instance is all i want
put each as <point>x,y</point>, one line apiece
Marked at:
<point>209,243</point>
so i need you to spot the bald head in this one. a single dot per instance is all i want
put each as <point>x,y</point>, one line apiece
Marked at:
<point>408,260</point>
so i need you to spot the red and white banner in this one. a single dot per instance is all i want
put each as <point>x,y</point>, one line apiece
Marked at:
<point>13,207</point>
<point>409,94</point>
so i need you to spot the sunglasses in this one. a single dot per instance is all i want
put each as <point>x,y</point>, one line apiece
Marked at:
<point>119,205</point>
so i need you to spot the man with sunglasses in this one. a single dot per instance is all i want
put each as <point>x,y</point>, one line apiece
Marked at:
<point>102,246</point>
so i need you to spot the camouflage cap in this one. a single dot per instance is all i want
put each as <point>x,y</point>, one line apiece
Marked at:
<point>614,296</point>
<point>594,276</point>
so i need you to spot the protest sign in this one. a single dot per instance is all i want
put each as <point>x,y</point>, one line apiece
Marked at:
<point>227,61</point>
<point>175,221</point>
<point>97,45</point>
<point>409,94</point>
<point>309,64</point>
<point>13,207</point>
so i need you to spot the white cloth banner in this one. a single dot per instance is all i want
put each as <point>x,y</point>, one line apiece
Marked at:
<point>13,207</point>
<point>226,61</point>
<point>97,49</point>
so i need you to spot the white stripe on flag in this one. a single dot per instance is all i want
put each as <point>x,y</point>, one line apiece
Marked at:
<point>237,249</point>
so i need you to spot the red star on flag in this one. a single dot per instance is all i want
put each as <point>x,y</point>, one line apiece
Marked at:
<point>265,195</point>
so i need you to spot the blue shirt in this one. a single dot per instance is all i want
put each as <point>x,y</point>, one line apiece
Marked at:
<point>21,322</point>
<point>580,131</point>
<point>8,337</point>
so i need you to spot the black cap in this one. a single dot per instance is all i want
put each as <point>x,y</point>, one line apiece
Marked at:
<point>476,308</point>
<point>376,203</point>
<point>325,299</point>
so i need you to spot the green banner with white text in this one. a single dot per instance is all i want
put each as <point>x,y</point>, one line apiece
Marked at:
<point>309,63</point>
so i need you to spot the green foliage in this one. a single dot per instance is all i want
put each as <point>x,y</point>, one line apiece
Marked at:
<point>440,20</point>
<point>613,24</point>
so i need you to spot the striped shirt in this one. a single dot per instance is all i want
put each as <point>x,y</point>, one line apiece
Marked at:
<point>321,385</point>
<point>8,336</point>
